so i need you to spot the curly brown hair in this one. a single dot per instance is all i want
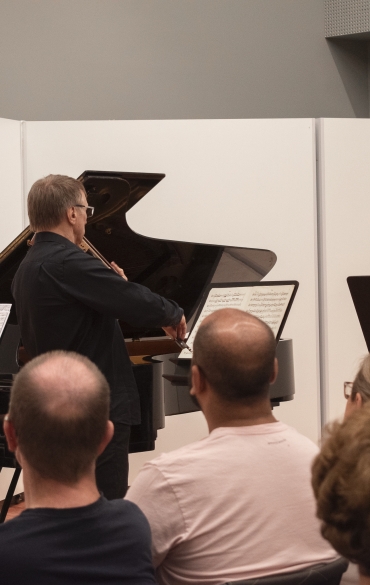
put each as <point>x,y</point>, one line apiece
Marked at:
<point>341,484</point>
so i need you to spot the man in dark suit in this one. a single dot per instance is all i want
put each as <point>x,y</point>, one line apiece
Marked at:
<point>66,299</point>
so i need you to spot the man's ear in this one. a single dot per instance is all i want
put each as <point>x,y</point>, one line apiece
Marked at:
<point>71,215</point>
<point>358,400</point>
<point>274,372</point>
<point>11,437</point>
<point>195,380</point>
<point>109,431</point>
<point>198,381</point>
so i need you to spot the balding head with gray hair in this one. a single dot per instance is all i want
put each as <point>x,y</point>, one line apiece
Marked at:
<point>59,407</point>
<point>235,352</point>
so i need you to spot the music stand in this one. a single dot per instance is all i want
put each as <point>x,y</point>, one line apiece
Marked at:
<point>359,287</point>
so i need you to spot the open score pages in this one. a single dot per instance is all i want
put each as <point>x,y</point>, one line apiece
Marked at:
<point>268,303</point>
<point>4,314</point>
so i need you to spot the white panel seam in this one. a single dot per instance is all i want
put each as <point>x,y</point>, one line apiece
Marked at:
<point>321,261</point>
<point>23,173</point>
<point>316,269</point>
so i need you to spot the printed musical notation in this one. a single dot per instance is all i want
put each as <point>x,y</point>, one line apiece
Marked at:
<point>269,303</point>
<point>4,314</point>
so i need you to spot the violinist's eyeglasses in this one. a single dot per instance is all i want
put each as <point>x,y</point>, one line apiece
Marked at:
<point>89,209</point>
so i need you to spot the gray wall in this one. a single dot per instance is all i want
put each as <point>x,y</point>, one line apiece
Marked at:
<point>127,59</point>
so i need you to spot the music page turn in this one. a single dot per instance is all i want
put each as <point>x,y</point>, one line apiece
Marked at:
<point>269,303</point>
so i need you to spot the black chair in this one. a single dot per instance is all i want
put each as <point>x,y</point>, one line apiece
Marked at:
<point>323,574</point>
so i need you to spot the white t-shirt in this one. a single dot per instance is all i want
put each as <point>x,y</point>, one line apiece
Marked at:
<point>236,505</point>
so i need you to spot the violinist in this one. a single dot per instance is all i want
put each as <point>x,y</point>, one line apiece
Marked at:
<point>68,300</point>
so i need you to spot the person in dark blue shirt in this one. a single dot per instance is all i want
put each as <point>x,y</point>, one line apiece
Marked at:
<point>57,425</point>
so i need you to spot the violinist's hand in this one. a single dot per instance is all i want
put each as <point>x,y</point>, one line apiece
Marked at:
<point>119,270</point>
<point>177,332</point>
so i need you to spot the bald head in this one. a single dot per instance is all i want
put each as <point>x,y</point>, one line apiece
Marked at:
<point>236,353</point>
<point>64,383</point>
<point>59,407</point>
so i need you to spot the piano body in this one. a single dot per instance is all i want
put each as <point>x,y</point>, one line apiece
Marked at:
<point>176,270</point>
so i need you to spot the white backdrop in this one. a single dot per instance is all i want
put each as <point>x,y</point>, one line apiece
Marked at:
<point>247,183</point>
<point>11,213</point>
<point>344,213</point>
<point>11,198</point>
<point>235,182</point>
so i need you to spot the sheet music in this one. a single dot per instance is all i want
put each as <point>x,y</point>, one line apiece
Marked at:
<point>4,314</point>
<point>269,303</point>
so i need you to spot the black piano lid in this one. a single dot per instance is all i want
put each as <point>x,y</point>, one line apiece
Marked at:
<point>176,270</point>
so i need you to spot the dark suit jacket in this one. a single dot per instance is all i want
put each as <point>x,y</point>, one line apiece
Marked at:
<point>68,300</point>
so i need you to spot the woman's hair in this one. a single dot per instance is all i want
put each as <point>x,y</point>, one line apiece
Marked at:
<point>361,382</point>
<point>341,484</point>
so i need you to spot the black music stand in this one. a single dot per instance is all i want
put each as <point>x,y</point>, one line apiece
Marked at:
<point>7,459</point>
<point>9,342</point>
<point>359,287</point>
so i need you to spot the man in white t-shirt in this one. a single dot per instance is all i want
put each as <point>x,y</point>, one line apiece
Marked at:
<point>239,503</point>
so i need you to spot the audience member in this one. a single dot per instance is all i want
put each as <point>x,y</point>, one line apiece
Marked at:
<point>57,425</point>
<point>341,483</point>
<point>357,393</point>
<point>237,504</point>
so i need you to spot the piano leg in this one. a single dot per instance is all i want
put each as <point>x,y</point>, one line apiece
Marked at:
<point>10,494</point>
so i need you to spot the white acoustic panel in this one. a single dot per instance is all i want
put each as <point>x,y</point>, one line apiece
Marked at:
<point>345,250</point>
<point>11,217</point>
<point>248,183</point>
<point>11,197</point>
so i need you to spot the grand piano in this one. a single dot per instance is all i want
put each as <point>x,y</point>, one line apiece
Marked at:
<point>177,270</point>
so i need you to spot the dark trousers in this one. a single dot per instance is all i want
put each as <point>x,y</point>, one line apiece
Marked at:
<point>112,465</point>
